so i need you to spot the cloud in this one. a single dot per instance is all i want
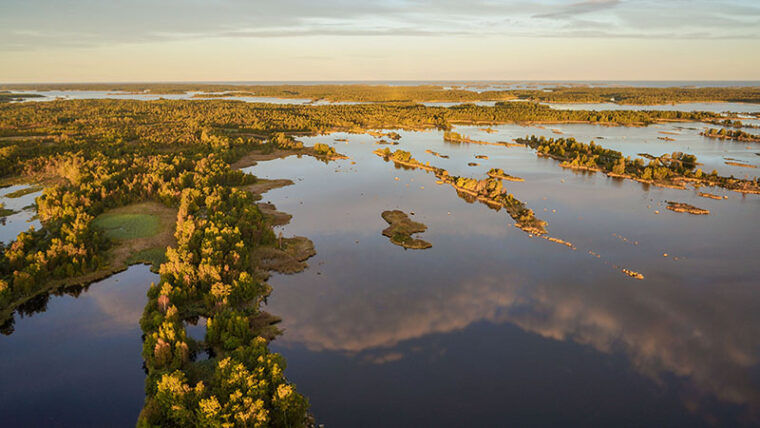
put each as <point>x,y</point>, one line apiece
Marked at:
<point>323,31</point>
<point>32,24</point>
<point>589,6</point>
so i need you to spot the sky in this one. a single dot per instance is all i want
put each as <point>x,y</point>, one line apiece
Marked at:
<point>339,40</point>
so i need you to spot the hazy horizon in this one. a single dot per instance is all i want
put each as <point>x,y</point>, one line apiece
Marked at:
<point>391,82</point>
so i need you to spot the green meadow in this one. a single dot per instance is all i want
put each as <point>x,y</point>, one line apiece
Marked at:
<point>128,226</point>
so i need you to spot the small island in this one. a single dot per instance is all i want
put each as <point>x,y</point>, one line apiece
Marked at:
<point>437,154</point>
<point>5,212</point>
<point>500,174</point>
<point>457,138</point>
<point>711,195</point>
<point>681,207</point>
<point>727,134</point>
<point>395,136</point>
<point>632,274</point>
<point>739,164</point>
<point>23,192</point>
<point>401,229</point>
<point>490,191</point>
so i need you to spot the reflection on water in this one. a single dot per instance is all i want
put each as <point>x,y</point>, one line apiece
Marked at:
<point>492,327</point>
<point>79,362</point>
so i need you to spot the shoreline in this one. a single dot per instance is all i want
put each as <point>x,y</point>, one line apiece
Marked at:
<point>120,256</point>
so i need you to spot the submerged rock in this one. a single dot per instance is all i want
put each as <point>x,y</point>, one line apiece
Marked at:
<point>681,207</point>
<point>633,274</point>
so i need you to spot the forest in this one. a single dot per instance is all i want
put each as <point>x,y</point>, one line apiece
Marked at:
<point>89,168</point>
<point>425,93</point>
<point>641,96</point>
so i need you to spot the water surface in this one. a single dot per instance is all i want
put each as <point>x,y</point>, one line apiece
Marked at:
<point>24,216</point>
<point>492,327</point>
<point>74,359</point>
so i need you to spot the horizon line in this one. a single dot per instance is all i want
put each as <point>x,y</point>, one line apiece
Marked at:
<point>285,82</point>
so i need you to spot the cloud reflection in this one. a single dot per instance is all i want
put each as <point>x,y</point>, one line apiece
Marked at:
<point>686,335</point>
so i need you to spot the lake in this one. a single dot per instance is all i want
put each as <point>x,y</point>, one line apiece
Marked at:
<point>491,327</point>
<point>74,359</point>
<point>24,213</point>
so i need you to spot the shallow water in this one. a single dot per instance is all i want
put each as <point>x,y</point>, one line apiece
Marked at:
<point>23,219</point>
<point>492,327</point>
<point>74,359</point>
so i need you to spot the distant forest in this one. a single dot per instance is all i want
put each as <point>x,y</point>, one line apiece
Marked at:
<point>427,93</point>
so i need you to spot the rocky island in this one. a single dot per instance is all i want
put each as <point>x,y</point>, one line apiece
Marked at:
<point>681,207</point>
<point>401,230</point>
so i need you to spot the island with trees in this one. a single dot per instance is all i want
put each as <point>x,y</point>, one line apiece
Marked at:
<point>674,170</point>
<point>501,175</point>
<point>728,134</point>
<point>489,191</point>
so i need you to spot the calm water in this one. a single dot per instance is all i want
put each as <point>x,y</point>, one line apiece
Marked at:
<point>73,359</point>
<point>77,362</point>
<point>491,327</point>
<point>23,219</point>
